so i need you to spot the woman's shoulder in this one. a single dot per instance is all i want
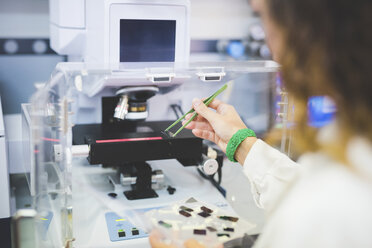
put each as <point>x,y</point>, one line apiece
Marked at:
<point>328,202</point>
<point>332,190</point>
<point>330,178</point>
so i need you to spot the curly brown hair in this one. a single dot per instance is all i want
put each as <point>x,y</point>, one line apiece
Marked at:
<point>327,51</point>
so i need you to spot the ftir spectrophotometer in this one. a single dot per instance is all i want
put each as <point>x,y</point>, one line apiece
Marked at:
<point>97,147</point>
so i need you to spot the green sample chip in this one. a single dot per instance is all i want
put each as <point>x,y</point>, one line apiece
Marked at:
<point>223,235</point>
<point>164,224</point>
<point>229,218</point>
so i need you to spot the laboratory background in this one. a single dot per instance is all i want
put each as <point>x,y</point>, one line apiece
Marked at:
<point>87,88</point>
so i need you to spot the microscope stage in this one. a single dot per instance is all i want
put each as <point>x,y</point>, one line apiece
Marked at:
<point>136,142</point>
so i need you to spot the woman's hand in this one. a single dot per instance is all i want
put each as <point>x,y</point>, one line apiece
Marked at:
<point>155,239</point>
<point>219,126</point>
<point>156,242</point>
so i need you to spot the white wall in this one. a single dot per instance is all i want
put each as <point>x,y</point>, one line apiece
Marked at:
<point>24,19</point>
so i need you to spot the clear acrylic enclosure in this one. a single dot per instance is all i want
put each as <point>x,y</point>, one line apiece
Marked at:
<point>72,96</point>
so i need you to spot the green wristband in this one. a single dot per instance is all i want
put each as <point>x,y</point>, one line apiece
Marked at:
<point>235,141</point>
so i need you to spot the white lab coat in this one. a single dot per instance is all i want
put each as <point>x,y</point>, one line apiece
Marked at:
<point>316,202</point>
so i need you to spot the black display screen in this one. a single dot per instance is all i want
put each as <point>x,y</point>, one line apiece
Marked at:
<point>147,40</point>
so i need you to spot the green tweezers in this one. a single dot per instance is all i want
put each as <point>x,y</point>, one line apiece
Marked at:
<point>206,102</point>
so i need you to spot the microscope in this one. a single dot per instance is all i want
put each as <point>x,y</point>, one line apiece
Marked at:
<point>125,141</point>
<point>135,32</point>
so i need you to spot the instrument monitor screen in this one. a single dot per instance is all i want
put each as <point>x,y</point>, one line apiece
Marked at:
<point>147,40</point>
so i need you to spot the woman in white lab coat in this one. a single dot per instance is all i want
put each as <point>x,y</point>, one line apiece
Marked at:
<point>325,199</point>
